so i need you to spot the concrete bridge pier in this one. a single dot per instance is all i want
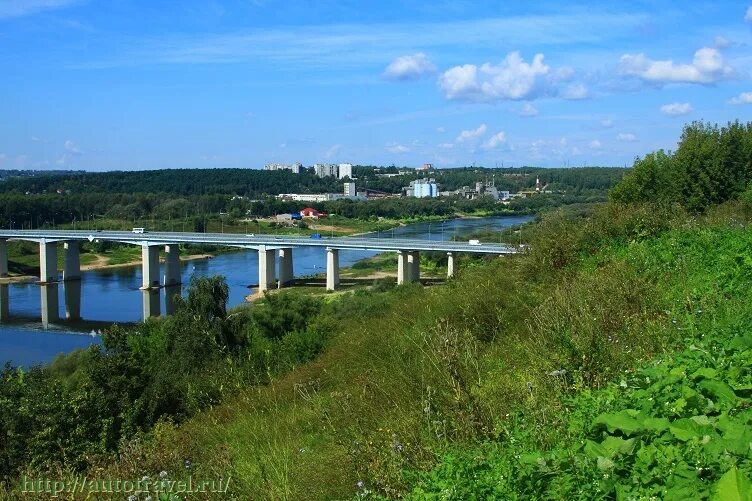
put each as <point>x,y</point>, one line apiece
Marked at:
<point>402,268</point>
<point>3,258</point>
<point>72,261</point>
<point>172,265</point>
<point>450,264</point>
<point>332,269</point>
<point>47,262</point>
<point>413,261</point>
<point>149,266</point>
<point>285,267</point>
<point>50,304</point>
<point>267,258</point>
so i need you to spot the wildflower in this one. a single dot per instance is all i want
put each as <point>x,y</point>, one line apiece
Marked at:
<point>162,474</point>
<point>557,373</point>
<point>187,464</point>
<point>360,484</point>
<point>132,497</point>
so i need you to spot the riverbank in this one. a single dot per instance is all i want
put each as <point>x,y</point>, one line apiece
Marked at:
<point>100,262</point>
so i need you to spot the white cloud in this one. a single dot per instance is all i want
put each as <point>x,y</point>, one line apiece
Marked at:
<point>721,42</point>
<point>440,129</point>
<point>706,67</point>
<point>333,151</point>
<point>513,78</point>
<point>446,146</point>
<point>748,15</point>
<point>70,147</point>
<point>353,45</point>
<point>626,137</point>
<point>410,67</point>
<point>607,123</point>
<point>471,135</point>
<point>528,110</point>
<point>676,109</point>
<point>495,141</point>
<point>743,98</point>
<point>17,8</point>
<point>595,144</point>
<point>575,92</point>
<point>397,148</point>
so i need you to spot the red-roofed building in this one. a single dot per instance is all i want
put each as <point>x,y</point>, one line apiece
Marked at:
<point>312,213</point>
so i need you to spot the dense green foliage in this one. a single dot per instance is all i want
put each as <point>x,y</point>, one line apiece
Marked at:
<point>710,166</point>
<point>84,404</point>
<point>678,428</point>
<point>193,195</point>
<point>257,183</point>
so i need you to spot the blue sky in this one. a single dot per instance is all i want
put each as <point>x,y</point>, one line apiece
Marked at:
<point>117,84</point>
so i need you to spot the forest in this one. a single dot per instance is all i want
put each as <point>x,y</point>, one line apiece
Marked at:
<point>200,194</point>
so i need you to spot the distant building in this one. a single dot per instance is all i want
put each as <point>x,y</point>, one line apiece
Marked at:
<point>426,167</point>
<point>349,190</point>
<point>324,170</point>
<point>345,170</point>
<point>423,188</point>
<point>311,213</point>
<point>481,189</point>
<point>295,168</point>
<point>308,197</point>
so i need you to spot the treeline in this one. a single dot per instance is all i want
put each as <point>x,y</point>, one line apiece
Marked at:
<point>711,165</point>
<point>257,183</point>
<point>183,182</point>
<point>38,211</point>
<point>571,180</point>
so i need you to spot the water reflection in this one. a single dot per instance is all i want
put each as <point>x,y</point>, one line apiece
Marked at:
<point>50,304</point>
<point>171,294</point>
<point>151,303</point>
<point>73,300</point>
<point>4,303</point>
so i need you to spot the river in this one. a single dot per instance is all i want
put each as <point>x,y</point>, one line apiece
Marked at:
<point>103,297</point>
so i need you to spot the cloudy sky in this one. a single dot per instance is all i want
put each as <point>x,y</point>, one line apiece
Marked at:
<point>118,84</point>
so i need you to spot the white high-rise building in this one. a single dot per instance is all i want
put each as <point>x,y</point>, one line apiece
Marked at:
<point>295,168</point>
<point>323,170</point>
<point>350,189</point>
<point>345,170</point>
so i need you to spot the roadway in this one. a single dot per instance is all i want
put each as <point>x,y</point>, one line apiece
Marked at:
<point>257,240</point>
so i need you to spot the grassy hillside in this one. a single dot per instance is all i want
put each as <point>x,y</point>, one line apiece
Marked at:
<point>499,375</point>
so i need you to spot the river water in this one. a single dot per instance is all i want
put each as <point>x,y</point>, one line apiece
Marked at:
<point>31,331</point>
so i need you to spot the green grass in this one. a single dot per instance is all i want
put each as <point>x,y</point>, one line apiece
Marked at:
<point>508,381</point>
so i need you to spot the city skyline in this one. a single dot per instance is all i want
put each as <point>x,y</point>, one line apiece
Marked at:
<point>133,85</point>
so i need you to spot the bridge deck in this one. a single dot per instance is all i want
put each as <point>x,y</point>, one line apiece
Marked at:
<point>257,240</point>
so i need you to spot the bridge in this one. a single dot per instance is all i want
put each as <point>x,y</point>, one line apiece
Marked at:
<point>269,247</point>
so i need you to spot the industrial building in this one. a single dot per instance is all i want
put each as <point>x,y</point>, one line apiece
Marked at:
<point>480,189</point>
<point>422,188</point>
